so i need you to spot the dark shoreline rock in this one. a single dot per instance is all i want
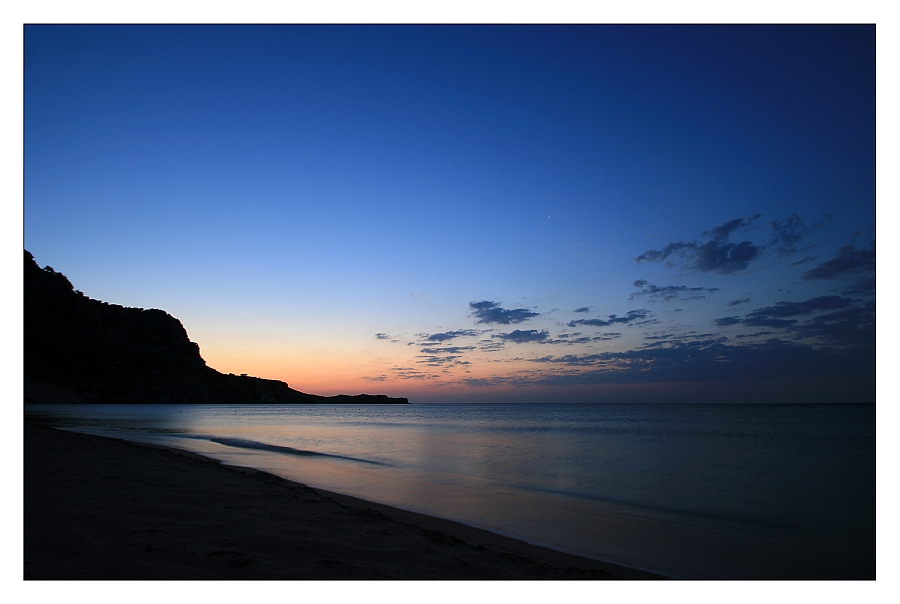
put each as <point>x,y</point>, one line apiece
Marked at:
<point>89,351</point>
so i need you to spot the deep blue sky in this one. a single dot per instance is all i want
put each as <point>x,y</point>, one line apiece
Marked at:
<point>473,213</point>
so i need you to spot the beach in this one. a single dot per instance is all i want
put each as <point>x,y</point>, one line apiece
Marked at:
<point>102,508</point>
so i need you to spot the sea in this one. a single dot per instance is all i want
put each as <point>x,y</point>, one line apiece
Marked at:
<point>690,491</point>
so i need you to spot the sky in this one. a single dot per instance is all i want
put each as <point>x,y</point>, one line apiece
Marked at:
<point>473,213</point>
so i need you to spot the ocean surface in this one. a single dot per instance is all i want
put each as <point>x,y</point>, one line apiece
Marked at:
<point>690,491</point>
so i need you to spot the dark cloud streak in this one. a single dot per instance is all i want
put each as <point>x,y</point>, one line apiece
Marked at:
<point>726,321</point>
<point>632,315</point>
<point>486,311</point>
<point>713,360</point>
<point>668,293</point>
<point>793,309</point>
<point>449,335</point>
<point>715,255</point>
<point>790,232</point>
<point>520,336</point>
<point>837,321</point>
<point>847,261</point>
<point>446,350</point>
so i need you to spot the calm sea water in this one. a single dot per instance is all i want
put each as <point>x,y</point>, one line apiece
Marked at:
<point>691,491</point>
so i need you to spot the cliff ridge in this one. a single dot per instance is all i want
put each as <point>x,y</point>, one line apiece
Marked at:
<point>82,349</point>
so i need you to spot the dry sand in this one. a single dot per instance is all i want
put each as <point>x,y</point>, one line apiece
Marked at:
<point>101,508</point>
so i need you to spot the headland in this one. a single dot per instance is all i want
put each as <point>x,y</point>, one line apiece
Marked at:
<point>82,350</point>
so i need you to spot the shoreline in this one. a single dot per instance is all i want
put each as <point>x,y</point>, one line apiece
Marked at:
<point>136,511</point>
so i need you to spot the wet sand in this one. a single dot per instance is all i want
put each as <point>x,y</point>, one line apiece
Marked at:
<point>102,508</point>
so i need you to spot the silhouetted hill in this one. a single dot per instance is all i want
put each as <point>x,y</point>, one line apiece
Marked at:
<point>106,353</point>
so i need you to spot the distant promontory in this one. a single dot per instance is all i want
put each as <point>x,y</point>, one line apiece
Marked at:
<point>83,350</point>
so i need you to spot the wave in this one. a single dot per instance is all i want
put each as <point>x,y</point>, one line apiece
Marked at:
<point>251,444</point>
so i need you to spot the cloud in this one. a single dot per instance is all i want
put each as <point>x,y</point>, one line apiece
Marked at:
<point>763,321</point>
<point>491,312</point>
<point>489,346</point>
<point>569,339</point>
<point>605,337</point>
<point>382,336</point>
<point>794,228</point>
<point>715,255</point>
<point>737,301</point>
<point>722,232</point>
<point>679,247</point>
<point>436,361</point>
<point>726,321</point>
<point>578,360</point>
<point>725,258</point>
<point>583,309</point>
<point>612,319</point>
<point>520,336</point>
<point>534,336</point>
<point>709,360</point>
<point>669,292</point>
<point>851,326</point>
<point>449,335</point>
<point>838,321</point>
<point>793,309</point>
<point>411,373</point>
<point>864,285</point>
<point>683,337</point>
<point>846,262</point>
<point>803,260</point>
<point>646,322</point>
<point>712,360</point>
<point>446,350</point>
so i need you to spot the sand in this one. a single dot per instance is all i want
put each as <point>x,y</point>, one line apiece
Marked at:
<point>102,508</point>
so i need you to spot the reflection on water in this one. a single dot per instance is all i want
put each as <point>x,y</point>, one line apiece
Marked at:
<point>737,491</point>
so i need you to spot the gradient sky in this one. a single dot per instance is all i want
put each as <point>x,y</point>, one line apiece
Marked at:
<point>488,213</point>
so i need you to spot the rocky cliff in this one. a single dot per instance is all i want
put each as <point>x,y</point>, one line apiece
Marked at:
<point>105,353</point>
